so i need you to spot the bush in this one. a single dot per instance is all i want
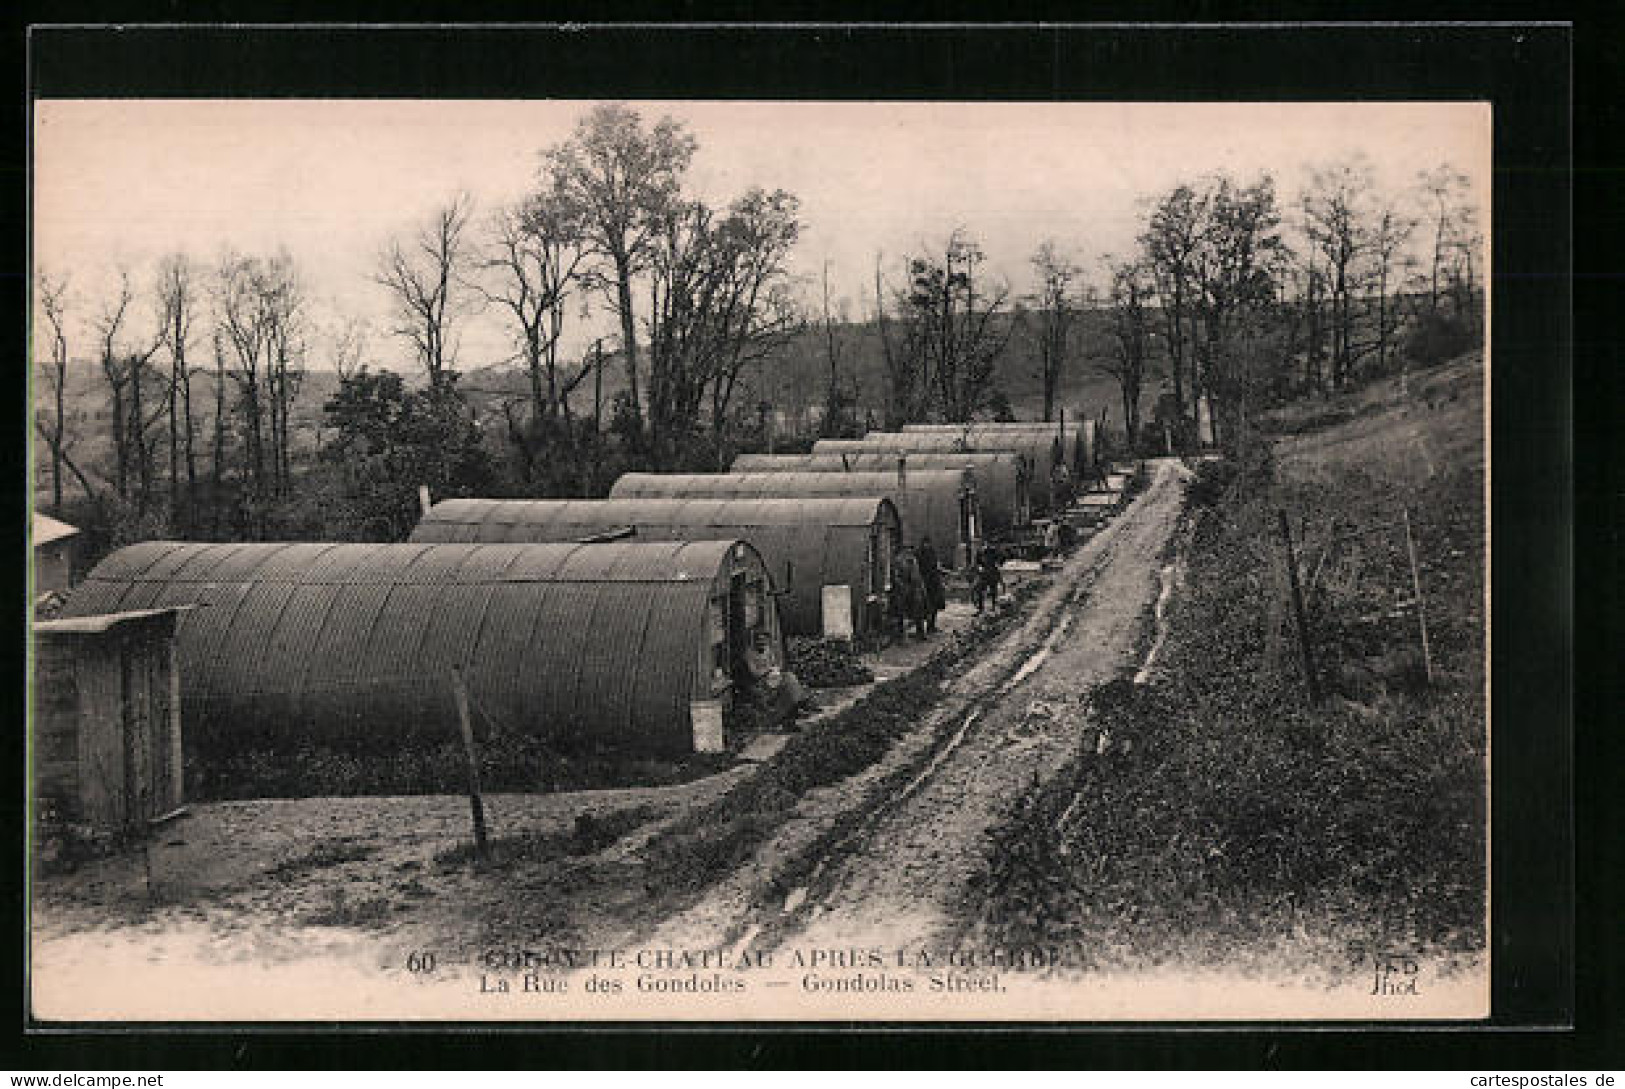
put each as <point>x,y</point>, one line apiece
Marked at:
<point>1436,337</point>
<point>1212,481</point>
<point>826,663</point>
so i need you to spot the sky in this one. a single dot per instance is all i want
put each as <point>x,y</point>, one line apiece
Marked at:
<point>124,182</point>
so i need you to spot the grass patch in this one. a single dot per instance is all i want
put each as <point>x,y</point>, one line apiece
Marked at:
<point>590,834</point>
<point>324,855</point>
<point>341,910</point>
<point>508,762</point>
<point>1214,811</point>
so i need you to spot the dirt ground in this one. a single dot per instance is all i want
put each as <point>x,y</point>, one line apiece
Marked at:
<point>242,902</point>
<point>900,877</point>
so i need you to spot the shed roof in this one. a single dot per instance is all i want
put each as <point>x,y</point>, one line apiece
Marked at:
<point>47,529</point>
<point>98,623</point>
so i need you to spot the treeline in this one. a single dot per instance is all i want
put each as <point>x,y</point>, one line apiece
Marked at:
<point>205,369</point>
<point>699,292</point>
<point>1249,303</point>
<point>1229,294</point>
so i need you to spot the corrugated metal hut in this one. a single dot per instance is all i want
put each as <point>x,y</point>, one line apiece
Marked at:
<point>939,503</point>
<point>1036,436</point>
<point>1001,475</point>
<point>625,646</point>
<point>107,721</point>
<point>1036,451</point>
<point>807,544</point>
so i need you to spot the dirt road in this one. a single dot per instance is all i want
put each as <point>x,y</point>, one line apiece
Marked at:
<point>900,877</point>
<point>883,856</point>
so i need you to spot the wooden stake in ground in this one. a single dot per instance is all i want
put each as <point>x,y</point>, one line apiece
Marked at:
<point>1416,587</point>
<point>1298,609</point>
<point>476,803</point>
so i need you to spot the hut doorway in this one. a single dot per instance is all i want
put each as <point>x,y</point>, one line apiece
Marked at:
<point>739,633</point>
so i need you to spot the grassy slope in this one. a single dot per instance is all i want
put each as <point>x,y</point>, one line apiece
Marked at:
<point>1226,820</point>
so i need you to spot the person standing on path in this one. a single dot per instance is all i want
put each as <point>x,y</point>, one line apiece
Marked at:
<point>986,580</point>
<point>908,596</point>
<point>931,574</point>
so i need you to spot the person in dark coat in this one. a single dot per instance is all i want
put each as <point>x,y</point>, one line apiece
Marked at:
<point>908,597</point>
<point>986,580</point>
<point>931,573</point>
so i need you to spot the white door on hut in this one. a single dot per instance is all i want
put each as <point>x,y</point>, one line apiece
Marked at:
<point>970,529</point>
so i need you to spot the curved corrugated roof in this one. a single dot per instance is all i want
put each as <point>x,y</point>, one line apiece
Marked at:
<point>605,642</point>
<point>831,511</point>
<point>1001,475</point>
<point>806,543</point>
<point>928,501</point>
<point>1079,441</point>
<point>1035,449</point>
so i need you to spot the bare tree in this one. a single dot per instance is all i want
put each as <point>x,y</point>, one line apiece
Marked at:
<point>534,258</point>
<point>243,327</point>
<point>423,275</point>
<point>959,334</point>
<point>217,447</point>
<point>52,296</point>
<point>176,303</point>
<point>1171,243</point>
<point>1337,222</point>
<point>719,301</point>
<point>902,359</point>
<point>839,397</point>
<point>624,180</point>
<point>349,346</point>
<point>1057,312</point>
<point>1236,267</point>
<point>125,369</point>
<point>282,309</point>
<point>53,428</point>
<point>1131,289</point>
<point>1389,237</point>
<point>1444,188</point>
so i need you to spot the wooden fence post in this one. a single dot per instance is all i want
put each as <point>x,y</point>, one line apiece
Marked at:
<point>1416,587</point>
<point>476,803</point>
<point>1298,609</point>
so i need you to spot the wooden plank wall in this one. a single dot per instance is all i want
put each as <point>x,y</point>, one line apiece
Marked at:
<point>100,673</point>
<point>107,726</point>
<point>56,728</point>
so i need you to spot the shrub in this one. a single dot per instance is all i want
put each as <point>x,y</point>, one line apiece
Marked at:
<point>1436,337</point>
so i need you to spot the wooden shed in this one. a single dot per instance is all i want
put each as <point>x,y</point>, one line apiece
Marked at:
<point>1001,476</point>
<point>107,721</point>
<point>54,544</point>
<point>807,544</point>
<point>937,503</point>
<point>626,646</point>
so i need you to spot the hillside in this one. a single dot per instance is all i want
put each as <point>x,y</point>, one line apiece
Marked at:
<point>794,380</point>
<point>1314,836</point>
